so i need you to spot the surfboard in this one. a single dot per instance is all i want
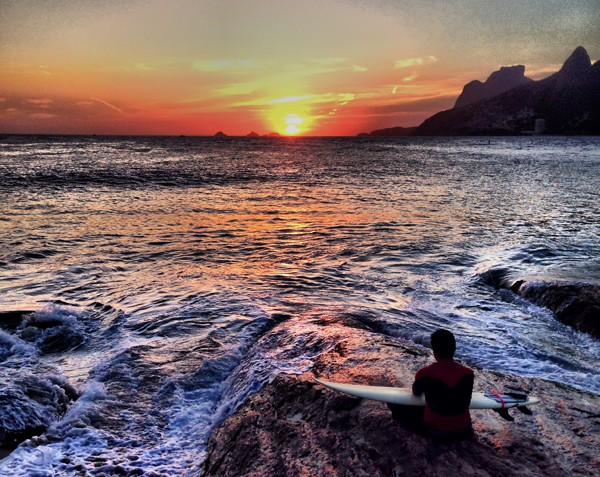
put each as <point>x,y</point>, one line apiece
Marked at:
<point>405,397</point>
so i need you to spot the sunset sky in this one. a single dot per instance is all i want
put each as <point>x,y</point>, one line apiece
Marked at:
<point>304,67</point>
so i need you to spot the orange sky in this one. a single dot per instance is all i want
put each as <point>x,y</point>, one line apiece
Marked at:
<point>309,68</point>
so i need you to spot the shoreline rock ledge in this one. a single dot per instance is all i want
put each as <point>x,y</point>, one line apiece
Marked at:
<point>575,304</point>
<point>295,427</point>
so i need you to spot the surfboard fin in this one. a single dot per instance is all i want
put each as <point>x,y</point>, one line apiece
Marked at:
<point>525,410</point>
<point>504,414</point>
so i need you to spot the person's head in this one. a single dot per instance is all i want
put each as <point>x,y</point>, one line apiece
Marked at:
<point>443,344</point>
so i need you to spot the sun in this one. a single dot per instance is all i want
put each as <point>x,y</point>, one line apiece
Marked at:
<point>293,121</point>
<point>291,129</point>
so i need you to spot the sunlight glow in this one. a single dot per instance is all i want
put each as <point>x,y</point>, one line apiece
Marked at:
<point>293,121</point>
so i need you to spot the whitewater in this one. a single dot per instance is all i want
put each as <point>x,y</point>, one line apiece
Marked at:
<point>165,279</point>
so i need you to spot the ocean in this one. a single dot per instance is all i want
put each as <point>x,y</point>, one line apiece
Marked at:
<point>155,266</point>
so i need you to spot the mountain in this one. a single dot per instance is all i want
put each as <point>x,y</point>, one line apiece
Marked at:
<point>388,132</point>
<point>253,134</point>
<point>568,101</point>
<point>221,134</point>
<point>507,77</point>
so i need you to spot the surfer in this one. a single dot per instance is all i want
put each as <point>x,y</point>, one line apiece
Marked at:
<point>447,386</point>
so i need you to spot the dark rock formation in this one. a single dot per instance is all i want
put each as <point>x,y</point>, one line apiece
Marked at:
<point>294,427</point>
<point>569,102</point>
<point>273,134</point>
<point>507,77</point>
<point>11,320</point>
<point>221,134</point>
<point>253,134</point>
<point>29,404</point>
<point>575,304</point>
<point>388,132</point>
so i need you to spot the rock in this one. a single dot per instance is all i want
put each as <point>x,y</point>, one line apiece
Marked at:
<point>11,320</point>
<point>577,66</point>
<point>507,77</point>
<point>568,101</point>
<point>29,404</point>
<point>274,134</point>
<point>253,134</point>
<point>575,304</point>
<point>221,134</point>
<point>295,427</point>
<point>388,132</point>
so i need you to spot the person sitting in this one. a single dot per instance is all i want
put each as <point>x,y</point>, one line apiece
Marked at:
<point>447,386</point>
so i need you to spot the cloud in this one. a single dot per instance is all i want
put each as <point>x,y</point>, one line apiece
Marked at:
<point>42,115</point>
<point>410,78</point>
<point>2,100</point>
<point>225,65</point>
<point>42,103</point>
<point>345,98</point>
<point>358,68</point>
<point>288,99</point>
<point>108,104</point>
<point>414,62</point>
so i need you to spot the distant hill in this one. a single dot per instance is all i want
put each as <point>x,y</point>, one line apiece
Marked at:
<point>253,134</point>
<point>388,132</point>
<point>221,134</point>
<point>568,101</point>
<point>507,77</point>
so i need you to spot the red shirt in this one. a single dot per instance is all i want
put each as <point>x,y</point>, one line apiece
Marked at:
<point>447,386</point>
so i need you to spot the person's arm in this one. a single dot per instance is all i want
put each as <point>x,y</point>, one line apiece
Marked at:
<point>417,387</point>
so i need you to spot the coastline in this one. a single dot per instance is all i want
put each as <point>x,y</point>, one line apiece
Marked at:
<point>294,426</point>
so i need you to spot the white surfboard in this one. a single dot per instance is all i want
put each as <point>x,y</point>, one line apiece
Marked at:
<point>405,396</point>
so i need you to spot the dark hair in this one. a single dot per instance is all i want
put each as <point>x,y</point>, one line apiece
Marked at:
<point>443,343</point>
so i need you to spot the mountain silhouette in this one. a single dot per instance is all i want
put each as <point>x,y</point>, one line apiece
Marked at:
<point>388,132</point>
<point>507,77</point>
<point>568,101</point>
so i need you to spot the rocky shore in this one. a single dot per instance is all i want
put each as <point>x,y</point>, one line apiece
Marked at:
<point>575,304</point>
<point>295,427</point>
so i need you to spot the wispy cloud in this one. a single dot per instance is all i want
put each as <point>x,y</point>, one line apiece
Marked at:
<point>345,98</point>
<point>288,99</point>
<point>42,115</point>
<point>414,62</point>
<point>107,104</point>
<point>2,100</point>
<point>358,68</point>
<point>42,103</point>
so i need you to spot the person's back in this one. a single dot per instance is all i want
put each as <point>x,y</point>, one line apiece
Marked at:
<point>447,386</point>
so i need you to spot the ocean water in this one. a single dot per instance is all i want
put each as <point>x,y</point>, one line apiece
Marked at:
<point>155,266</point>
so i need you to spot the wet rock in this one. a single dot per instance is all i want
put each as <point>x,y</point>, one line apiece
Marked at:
<point>10,320</point>
<point>28,404</point>
<point>295,427</point>
<point>575,304</point>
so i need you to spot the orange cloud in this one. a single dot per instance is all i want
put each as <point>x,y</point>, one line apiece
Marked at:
<point>414,62</point>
